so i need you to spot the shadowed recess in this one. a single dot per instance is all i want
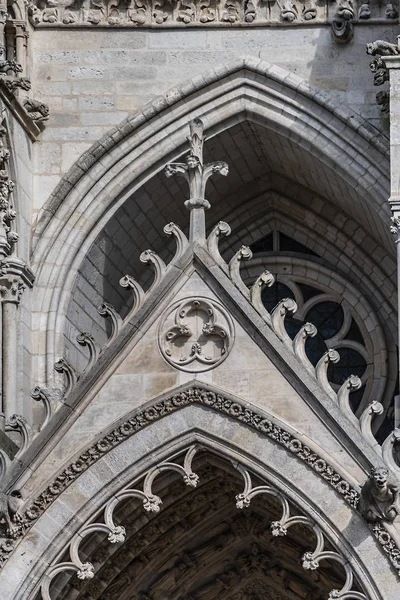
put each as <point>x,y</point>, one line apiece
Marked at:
<point>200,546</point>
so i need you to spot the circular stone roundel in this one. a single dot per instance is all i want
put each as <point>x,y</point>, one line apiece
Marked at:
<point>195,334</point>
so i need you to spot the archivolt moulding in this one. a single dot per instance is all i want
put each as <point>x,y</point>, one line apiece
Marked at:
<point>151,503</point>
<point>263,446</point>
<point>225,405</point>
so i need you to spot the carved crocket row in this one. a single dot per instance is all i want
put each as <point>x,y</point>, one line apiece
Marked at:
<point>380,497</point>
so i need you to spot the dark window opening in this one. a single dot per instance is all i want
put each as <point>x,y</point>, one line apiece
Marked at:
<point>354,333</point>
<point>288,244</point>
<point>327,317</point>
<point>308,291</point>
<point>265,244</point>
<point>270,296</point>
<point>351,363</point>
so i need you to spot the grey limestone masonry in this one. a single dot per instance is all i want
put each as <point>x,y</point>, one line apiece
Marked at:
<point>157,332</point>
<point>92,80</point>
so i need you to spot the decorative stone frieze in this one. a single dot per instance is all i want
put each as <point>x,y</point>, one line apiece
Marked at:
<point>181,13</point>
<point>342,23</point>
<point>192,395</point>
<point>17,83</point>
<point>8,237</point>
<point>196,334</point>
<point>388,544</point>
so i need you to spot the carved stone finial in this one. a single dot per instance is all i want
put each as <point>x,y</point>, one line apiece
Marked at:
<point>380,497</point>
<point>197,175</point>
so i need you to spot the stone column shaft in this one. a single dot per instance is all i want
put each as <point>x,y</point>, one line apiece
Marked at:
<point>3,17</point>
<point>20,47</point>
<point>11,289</point>
<point>9,374</point>
<point>393,65</point>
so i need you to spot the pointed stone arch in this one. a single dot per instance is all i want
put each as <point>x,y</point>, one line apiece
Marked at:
<point>120,163</point>
<point>266,451</point>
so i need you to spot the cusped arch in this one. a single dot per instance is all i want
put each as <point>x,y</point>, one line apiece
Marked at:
<point>110,172</point>
<point>162,441</point>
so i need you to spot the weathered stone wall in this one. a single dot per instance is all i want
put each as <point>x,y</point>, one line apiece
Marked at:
<point>93,79</point>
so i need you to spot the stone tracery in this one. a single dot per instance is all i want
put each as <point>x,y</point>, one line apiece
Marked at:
<point>196,334</point>
<point>189,570</point>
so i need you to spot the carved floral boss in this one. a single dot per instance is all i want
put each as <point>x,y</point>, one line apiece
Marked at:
<point>196,334</point>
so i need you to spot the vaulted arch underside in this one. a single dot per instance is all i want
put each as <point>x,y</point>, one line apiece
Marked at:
<point>298,165</point>
<point>273,186</point>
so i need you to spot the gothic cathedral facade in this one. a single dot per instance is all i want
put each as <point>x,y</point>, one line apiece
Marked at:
<point>199,267</point>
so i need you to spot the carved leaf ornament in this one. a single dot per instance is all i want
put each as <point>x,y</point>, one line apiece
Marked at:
<point>181,13</point>
<point>202,396</point>
<point>196,334</point>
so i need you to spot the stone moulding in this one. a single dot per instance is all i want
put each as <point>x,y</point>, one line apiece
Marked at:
<point>204,397</point>
<point>151,504</point>
<point>210,13</point>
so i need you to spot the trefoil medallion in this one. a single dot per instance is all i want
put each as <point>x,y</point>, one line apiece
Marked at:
<point>195,334</point>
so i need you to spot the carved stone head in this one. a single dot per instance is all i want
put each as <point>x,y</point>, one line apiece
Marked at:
<point>192,161</point>
<point>380,476</point>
